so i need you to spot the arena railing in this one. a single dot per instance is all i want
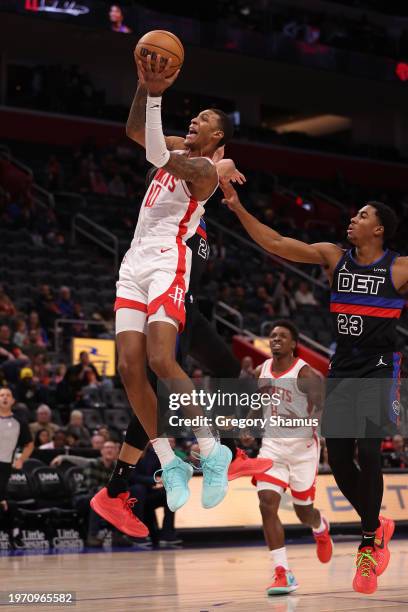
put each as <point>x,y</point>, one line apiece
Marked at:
<point>282,262</point>
<point>84,226</point>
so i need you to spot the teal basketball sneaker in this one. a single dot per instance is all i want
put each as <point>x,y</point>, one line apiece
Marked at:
<point>175,476</point>
<point>215,475</point>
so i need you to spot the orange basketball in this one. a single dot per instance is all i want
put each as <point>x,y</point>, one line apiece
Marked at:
<point>163,43</point>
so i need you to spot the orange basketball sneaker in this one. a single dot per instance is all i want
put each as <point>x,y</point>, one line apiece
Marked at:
<point>242,465</point>
<point>117,511</point>
<point>383,535</point>
<point>365,580</point>
<point>324,544</point>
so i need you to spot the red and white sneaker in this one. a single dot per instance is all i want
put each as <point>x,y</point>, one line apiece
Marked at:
<point>324,543</point>
<point>117,511</point>
<point>365,580</point>
<point>242,465</point>
<point>284,582</point>
<point>383,535</point>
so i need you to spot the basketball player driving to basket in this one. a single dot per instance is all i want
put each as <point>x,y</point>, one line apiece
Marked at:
<point>154,277</point>
<point>367,283</point>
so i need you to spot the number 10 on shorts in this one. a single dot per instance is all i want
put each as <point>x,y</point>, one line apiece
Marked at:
<point>349,324</point>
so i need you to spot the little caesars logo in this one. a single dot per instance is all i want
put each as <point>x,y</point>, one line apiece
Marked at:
<point>67,539</point>
<point>4,541</point>
<point>35,540</point>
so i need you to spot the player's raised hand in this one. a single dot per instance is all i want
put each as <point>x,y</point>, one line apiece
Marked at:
<point>231,198</point>
<point>156,76</point>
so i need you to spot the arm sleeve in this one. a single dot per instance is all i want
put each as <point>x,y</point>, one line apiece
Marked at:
<point>156,148</point>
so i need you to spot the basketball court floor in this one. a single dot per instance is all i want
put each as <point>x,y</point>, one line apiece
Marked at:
<point>197,580</point>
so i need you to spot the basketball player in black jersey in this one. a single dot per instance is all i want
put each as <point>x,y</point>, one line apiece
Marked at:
<point>201,341</point>
<point>366,286</point>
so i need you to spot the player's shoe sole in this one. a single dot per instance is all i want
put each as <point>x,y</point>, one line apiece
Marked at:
<point>242,465</point>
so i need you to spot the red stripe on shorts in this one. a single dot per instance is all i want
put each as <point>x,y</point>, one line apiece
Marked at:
<point>121,302</point>
<point>175,307</point>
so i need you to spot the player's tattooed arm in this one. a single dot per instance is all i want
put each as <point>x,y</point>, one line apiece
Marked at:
<point>323,253</point>
<point>199,172</point>
<point>135,125</point>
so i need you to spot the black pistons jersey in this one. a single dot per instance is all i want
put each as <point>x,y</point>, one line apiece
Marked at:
<point>365,308</point>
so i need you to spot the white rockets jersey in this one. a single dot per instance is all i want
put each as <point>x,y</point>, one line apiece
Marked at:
<point>168,209</point>
<point>293,403</point>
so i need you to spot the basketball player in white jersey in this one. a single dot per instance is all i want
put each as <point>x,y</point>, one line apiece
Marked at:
<point>297,390</point>
<point>153,281</point>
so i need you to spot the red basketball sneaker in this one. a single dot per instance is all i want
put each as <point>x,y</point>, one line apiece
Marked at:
<point>242,465</point>
<point>117,511</point>
<point>382,536</point>
<point>324,544</point>
<point>365,580</point>
<point>283,583</point>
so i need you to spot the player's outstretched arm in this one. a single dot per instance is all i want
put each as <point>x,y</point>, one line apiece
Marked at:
<point>135,125</point>
<point>323,253</point>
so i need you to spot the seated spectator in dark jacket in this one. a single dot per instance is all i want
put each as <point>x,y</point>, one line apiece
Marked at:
<point>65,304</point>
<point>398,457</point>
<point>151,495</point>
<point>34,345</point>
<point>12,358</point>
<point>76,426</point>
<point>76,376</point>
<point>30,391</point>
<point>59,441</point>
<point>47,308</point>
<point>43,421</point>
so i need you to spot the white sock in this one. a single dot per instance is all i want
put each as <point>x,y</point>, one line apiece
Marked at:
<point>205,440</point>
<point>279,557</point>
<point>163,450</point>
<point>322,525</point>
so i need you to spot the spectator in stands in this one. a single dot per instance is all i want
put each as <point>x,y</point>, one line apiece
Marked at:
<point>53,178</point>
<point>260,300</point>
<point>117,187</point>
<point>76,426</point>
<point>47,308</point>
<point>43,421</point>
<point>41,368</point>
<point>76,376</point>
<point>398,457</point>
<point>34,345</point>
<point>92,393</point>
<point>59,441</point>
<point>116,19</point>
<point>65,304</point>
<point>97,441</point>
<point>104,432</point>
<point>283,299</point>
<point>34,324</point>
<point>247,367</point>
<point>41,438</point>
<point>304,295</point>
<point>7,307</point>
<point>20,333</point>
<point>11,356</point>
<point>29,390</point>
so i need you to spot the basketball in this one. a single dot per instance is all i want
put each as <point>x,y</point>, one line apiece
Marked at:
<point>161,42</point>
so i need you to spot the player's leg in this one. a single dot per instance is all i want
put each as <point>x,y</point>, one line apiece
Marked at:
<point>161,343</point>
<point>341,453</point>
<point>269,495</point>
<point>211,351</point>
<point>303,457</point>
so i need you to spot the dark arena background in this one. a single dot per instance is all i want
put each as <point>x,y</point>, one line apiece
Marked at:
<point>317,92</point>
